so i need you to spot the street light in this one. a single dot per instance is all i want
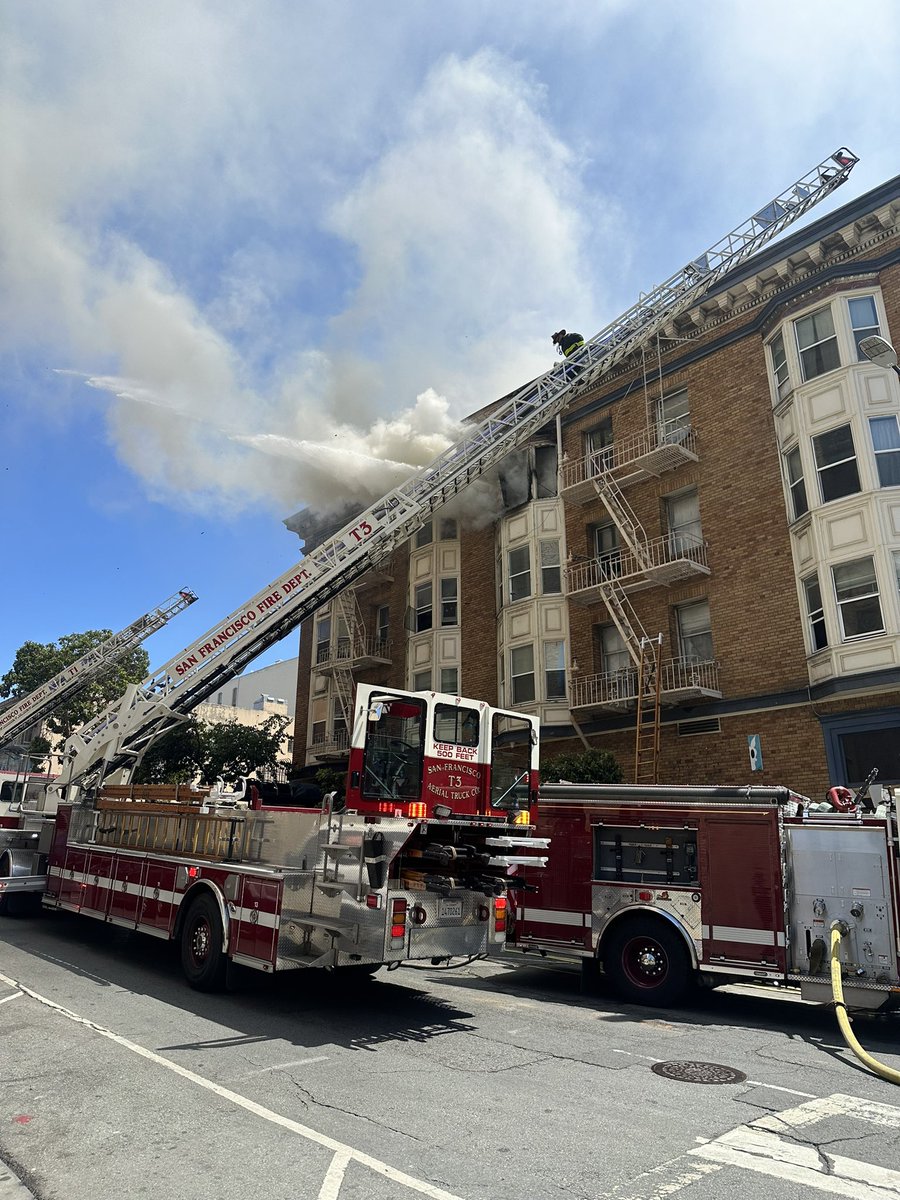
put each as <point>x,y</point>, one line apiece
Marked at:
<point>880,352</point>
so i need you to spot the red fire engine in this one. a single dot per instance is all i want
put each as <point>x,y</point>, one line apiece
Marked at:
<point>418,859</point>
<point>414,864</point>
<point>664,886</point>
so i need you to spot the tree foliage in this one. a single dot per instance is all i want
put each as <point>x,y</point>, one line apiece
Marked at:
<point>205,751</point>
<point>36,662</point>
<point>589,766</point>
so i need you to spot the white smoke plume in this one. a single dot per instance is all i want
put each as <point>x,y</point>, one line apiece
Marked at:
<point>230,384</point>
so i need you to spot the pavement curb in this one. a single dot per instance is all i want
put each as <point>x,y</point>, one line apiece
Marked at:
<point>11,1186</point>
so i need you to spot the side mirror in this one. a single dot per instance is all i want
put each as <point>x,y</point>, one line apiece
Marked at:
<point>376,712</point>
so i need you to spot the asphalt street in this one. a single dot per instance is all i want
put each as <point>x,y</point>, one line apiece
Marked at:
<point>500,1081</point>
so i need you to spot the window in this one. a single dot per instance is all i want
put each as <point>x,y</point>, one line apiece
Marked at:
<point>614,655</point>
<point>519,573</point>
<point>896,554</point>
<point>323,639</point>
<point>683,515</point>
<point>234,696</point>
<point>836,463</point>
<point>817,343</point>
<point>674,416</point>
<point>780,366</point>
<point>551,581</point>
<point>219,698</point>
<point>796,483</point>
<point>863,321</point>
<point>555,670</point>
<point>856,591</point>
<point>521,670</point>
<point>695,632</point>
<point>383,623</point>
<point>320,684</point>
<point>338,722</point>
<point>448,529</point>
<point>886,444</point>
<point>422,681</point>
<point>450,680</point>
<point>545,472</point>
<point>425,535</point>
<point>456,725</point>
<point>317,733</point>
<point>424,601</point>
<point>449,605</point>
<point>606,550</point>
<point>598,447</point>
<point>815,614</point>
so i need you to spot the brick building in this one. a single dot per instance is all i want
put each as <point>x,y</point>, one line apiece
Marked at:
<point>729,496</point>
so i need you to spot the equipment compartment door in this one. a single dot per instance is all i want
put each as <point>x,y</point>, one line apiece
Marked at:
<point>742,908</point>
<point>125,897</point>
<point>257,928</point>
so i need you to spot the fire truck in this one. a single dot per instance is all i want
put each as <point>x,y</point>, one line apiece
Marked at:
<point>421,855</point>
<point>24,787</point>
<point>666,886</point>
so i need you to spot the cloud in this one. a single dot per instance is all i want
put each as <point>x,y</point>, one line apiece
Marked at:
<point>131,254</point>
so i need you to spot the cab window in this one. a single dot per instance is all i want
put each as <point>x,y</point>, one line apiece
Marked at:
<point>392,760</point>
<point>511,742</point>
<point>456,725</point>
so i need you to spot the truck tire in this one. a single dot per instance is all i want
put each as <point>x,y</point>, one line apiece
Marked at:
<point>202,958</point>
<point>647,961</point>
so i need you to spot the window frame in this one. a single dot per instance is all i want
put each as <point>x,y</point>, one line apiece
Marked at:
<point>858,332</point>
<point>796,486</point>
<point>515,676</point>
<point>687,536</point>
<point>816,346</point>
<point>684,639</point>
<point>423,612</point>
<point>882,455</point>
<point>555,676</point>
<point>850,600</point>
<point>815,613</point>
<point>518,575</point>
<point>449,603</point>
<point>781,370</point>
<point>550,570</point>
<point>817,443</point>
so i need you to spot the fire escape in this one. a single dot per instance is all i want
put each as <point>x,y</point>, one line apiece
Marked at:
<point>638,563</point>
<point>349,650</point>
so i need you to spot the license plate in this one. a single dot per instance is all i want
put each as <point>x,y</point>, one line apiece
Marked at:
<point>449,909</point>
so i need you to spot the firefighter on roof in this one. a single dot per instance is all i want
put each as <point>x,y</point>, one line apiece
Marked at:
<point>567,343</point>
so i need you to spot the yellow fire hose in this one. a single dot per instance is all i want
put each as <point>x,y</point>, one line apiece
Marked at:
<point>838,931</point>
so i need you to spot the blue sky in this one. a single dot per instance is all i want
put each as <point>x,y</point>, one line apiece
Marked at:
<point>254,255</point>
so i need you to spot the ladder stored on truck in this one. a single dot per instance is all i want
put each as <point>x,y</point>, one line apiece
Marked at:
<point>39,704</point>
<point>118,737</point>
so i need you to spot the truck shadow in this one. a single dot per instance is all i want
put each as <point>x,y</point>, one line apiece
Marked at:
<point>748,1007</point>
<point>307,1009</point>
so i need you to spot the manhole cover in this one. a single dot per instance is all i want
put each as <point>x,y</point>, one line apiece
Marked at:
<point>698,1072</point>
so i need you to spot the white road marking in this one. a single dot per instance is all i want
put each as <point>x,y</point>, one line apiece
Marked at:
<point>766,1154</point>
<point>11,996</point>
<point>340,1149</point>
<point>334,1177</point>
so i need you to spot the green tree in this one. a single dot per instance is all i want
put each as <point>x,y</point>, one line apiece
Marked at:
<point>176,757</point>
<point>231,749</point>
<point>205,751</point>
<point>588,766</point>
<point>36,662</point>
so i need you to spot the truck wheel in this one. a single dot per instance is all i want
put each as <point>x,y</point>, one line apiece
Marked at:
<point>647,961</point>
<point>202,957</point>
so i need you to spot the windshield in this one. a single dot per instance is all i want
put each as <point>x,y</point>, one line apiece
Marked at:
<point>392,762</point>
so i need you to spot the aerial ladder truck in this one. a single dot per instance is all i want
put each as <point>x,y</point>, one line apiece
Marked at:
<point>421,856</point>
<point>22,713</point>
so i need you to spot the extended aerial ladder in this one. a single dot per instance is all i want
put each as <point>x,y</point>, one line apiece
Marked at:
<point>119,736</point>
<point>21,714</point>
